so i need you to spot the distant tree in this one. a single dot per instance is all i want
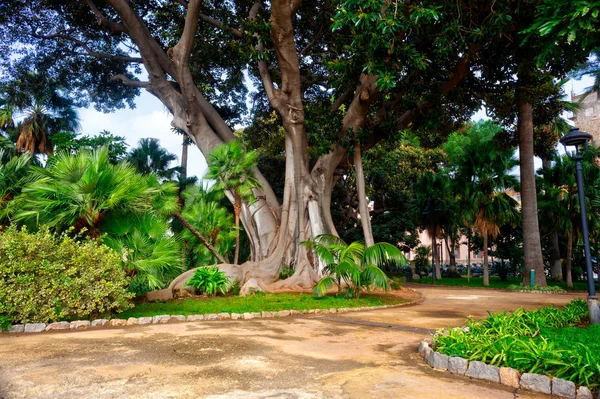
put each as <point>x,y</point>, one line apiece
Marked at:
<point>71,142</point>
<point>149,157</point>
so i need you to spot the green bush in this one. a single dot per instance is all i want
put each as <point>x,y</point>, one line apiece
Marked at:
<point>210,280</point>
<point>550,288</point>
<point>45,278</point>
<point>527,342</point>
<point>5,323</point>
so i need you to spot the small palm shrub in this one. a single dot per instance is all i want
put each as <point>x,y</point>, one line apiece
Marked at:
<point>352,265</point>
<point>209,280</point>
<point>45,278</point>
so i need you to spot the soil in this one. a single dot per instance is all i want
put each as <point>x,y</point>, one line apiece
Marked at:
<point>294,357</point>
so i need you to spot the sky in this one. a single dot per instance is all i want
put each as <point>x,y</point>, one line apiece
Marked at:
<point>151,119</point>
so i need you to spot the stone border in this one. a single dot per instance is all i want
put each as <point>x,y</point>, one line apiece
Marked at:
<point>503,375</point>
<point>562,292</point>
<point>163,319</point>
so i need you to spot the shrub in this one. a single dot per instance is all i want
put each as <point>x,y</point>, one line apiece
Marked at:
<point>209,280</point>
<point>45,278</point>
<point>5,323</point>
<point>550,288</point>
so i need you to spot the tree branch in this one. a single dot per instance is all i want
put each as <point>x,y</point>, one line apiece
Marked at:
<point>180,54</point>
<point>235,32</point>
<point>103,21</point>
<point>129,82</point>
<point>84,46</point>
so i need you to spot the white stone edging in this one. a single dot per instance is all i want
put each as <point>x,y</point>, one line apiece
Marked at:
<point>503,375</point>
<point>163,319</point>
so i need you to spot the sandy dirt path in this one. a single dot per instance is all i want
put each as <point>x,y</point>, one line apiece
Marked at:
<point>300,357</point>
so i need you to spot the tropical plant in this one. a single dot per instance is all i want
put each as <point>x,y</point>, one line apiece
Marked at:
<point>150,252</point>
<point>352,265</point>
<point>209,280</point>
<point>5,323</point>
<point>42,111</point>
<point>149,157</point>
<point>212,221</point>
<point>79,190</point>
<point>232,167</point>
<point>44,277</point>
<point>14,174</point>
<point>482,170</point>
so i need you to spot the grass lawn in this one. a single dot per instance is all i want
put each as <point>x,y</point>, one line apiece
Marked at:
<point>495,282</point>
<point>256,303</point>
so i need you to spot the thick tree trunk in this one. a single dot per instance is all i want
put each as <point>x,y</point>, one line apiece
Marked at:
<point>569,259</point>
<point>436,258</point>
<point>452,272</point>
<point>486,270</point>
<point>529,212</point>
<point>365,217</point>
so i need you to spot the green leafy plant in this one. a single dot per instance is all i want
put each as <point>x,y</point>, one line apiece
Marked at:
<point>210,280</point>
<point>352,265</point>
<point>44,277</point>
<point>550,288</point>
<point>530,341</point>
<point>285,272</point>
<point>5,323</point>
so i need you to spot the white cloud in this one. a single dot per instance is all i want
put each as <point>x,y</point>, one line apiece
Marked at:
<point>148,119</point>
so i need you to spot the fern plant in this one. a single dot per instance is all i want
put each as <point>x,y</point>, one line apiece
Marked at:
<point>209,280</point>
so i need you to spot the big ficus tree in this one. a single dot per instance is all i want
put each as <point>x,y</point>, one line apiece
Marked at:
<point>340,74</point>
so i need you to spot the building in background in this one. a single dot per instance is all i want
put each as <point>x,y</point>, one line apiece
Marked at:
<point>587,118</point>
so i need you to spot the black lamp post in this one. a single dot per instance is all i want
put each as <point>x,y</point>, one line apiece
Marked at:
<point>576,144</point>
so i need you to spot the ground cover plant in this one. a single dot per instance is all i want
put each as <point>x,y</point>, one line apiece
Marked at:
<point>45,278</point>
<point>496,282</point>
<point>544,341</point>
<point>210,280</point>
<point>257,303</point>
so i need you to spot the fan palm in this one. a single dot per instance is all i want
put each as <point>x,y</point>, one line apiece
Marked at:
<point>14,174</point>
<point>78,191</point>
<point>231,167</point>
<point>149,157</point>
<point>352,264</point>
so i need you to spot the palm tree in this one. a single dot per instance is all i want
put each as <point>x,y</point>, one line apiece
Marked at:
<point>353,265</point>
<point>149,157</point>
<point>14,174</point>
<point>231,167</point>
<point>430,207</point>
<point>79,190</point>
<point>482,171</point>
<point>560,201</point>
<point>43,112</point>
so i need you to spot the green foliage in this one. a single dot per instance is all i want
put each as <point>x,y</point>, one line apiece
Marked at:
<point>258,303</point>
<point>521,340</point>
<point>46,278</point>
<point>5,323</point>
<point>550,288</point>
<point>352,265</point>
<point>149,157</point>
<point>14,174</point>
<point>422,259</point>
<point>210,280</point>
<point>70,142</point>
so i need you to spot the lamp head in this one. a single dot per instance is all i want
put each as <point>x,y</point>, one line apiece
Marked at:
<point>576,143</point>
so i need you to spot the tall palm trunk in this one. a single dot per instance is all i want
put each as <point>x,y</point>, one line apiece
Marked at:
<point>184,158</point>
<point>237,208</point>
<point>529,212</point>
<point>436,258</point>
<point>486,270</point>
<point>568,263</point>
<point>365,218</point>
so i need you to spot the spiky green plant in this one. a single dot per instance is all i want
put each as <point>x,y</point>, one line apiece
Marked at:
<point>210,280</point>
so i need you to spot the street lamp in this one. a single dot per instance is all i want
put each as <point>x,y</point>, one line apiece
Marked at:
<point>576,144</point>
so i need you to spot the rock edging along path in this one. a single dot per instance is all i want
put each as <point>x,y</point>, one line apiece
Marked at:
<point>503,375</point>
<point>163,319</point>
